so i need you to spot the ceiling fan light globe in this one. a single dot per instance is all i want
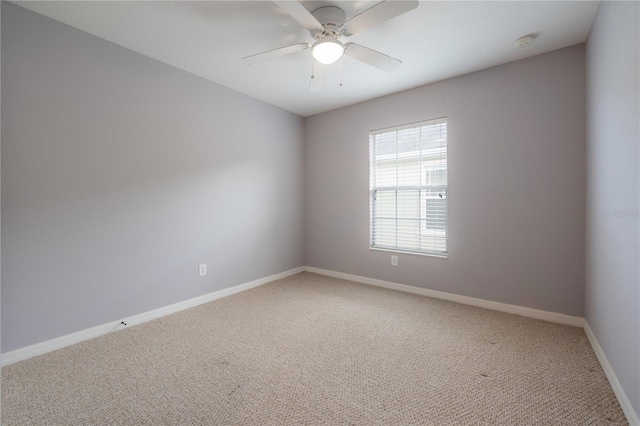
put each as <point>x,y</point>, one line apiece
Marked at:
<point>327,51</point>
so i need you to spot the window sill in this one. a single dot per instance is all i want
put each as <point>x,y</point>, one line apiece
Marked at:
<point>439,256</point>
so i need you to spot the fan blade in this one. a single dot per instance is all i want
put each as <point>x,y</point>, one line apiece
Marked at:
<point>381,12</point>
<point>275,53</point>
<point>318,76</point>
<point>372,57</point>
<point>300,14</point>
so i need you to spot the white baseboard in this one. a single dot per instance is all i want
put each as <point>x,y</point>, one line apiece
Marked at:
<point>496,306</point>
<point>628,410</point>
<point>90,333</point>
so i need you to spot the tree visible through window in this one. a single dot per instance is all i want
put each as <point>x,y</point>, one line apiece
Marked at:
<point>408,188</point>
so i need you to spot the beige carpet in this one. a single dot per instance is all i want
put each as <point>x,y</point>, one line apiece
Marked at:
<point>315,350</point>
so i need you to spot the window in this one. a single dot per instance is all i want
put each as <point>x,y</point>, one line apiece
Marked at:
<point>408,188</point>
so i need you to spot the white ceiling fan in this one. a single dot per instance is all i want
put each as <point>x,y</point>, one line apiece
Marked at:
<point>327,25</point>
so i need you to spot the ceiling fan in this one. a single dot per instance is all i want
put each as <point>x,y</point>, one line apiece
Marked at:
<point>327,25</point>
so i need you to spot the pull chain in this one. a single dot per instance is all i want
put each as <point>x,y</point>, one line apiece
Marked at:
<point>340,71</point>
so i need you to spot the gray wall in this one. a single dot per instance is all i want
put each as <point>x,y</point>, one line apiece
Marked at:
<point>612,297</point>
<point>121,174</point>
<point>0,200</point>
<point>516,184</point>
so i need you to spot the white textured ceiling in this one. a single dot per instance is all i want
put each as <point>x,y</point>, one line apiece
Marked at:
<point>438,40</point>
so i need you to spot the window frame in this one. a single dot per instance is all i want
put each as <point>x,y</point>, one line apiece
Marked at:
<point>373,189</point>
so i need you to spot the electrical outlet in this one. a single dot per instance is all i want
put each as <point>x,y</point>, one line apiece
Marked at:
<point>202,269</point>
<point>394,260</point>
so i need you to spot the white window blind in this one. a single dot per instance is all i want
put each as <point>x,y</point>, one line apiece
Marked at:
<point>408,188</point>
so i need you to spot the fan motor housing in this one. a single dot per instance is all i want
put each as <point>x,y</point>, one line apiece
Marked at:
<point>332,19</point>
